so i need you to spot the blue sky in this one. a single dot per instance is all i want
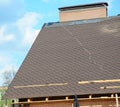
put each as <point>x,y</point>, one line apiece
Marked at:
<point>21,20</point>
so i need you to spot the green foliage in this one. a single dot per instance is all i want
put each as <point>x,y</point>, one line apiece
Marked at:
<point>3,101</point>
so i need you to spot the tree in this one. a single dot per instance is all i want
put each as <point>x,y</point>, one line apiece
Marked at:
<point>8,76</point>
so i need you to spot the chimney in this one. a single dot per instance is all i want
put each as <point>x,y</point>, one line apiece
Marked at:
<point>82,12</point>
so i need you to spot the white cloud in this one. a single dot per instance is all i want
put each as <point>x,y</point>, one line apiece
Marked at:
<point>5,59</point>
<point>26,26</point>
<point>5,37</point>
<point>23,32</point>
<point>6,68</point>
<point>110,2</point>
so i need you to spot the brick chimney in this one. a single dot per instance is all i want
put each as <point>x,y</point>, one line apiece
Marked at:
<point>82,12</point>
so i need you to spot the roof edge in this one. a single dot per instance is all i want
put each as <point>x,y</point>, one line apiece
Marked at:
<point>84,5</point>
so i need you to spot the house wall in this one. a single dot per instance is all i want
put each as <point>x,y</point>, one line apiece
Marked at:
<point>98,103</point>
<point>91,13</point>
<point>82,103</point>
<point>53,104</point>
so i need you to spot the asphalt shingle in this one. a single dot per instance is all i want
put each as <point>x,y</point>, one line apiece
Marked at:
<point>68,54</point>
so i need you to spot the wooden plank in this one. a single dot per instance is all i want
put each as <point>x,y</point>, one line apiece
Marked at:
<point>29,100</point>
<point>99,81</point>
<point>112,95</point>
<point>117,102</point>
<point>79,99</point>
<point>109,87</point>
<point>46,99</point>
<point>90,96</point>
<point>41,85</point>
<point>66,98</point>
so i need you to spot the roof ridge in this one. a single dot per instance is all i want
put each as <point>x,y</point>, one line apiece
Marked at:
<point>57,24</point>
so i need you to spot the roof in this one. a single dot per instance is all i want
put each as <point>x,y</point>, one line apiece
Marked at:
<point>83,6</point>
<point>71,59</point>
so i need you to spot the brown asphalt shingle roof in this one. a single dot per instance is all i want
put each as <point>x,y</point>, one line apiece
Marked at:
<point>66,54</point>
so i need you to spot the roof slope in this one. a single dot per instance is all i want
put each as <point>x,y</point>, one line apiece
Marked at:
<point>61,56</point>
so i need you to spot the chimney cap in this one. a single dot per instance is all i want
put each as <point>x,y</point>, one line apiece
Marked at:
<point>83,6</point>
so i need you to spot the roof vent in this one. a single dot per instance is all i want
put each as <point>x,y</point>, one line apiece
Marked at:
<point>82,12</point>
